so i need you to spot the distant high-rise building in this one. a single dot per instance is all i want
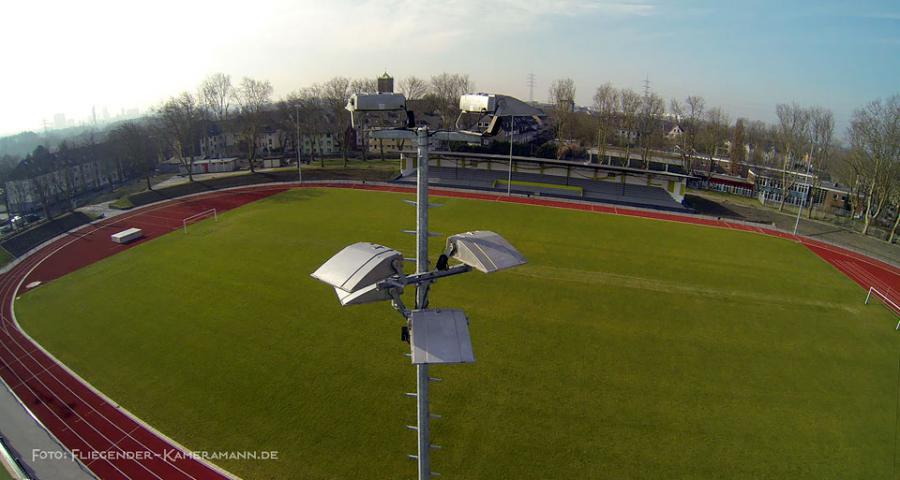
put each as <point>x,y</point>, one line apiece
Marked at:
<point>59,120</point>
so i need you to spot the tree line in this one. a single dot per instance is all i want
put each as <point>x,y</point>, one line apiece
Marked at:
<point>802,138</point>
<point>639,124</point>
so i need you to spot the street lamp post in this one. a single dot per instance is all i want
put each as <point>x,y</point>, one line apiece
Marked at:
<point>808,193</point>
<point>297,124</point>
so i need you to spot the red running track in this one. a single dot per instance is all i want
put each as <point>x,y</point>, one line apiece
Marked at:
<point>110,442</point>
<point>116,445</point>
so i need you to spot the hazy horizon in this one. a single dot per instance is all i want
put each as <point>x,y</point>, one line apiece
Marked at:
<point>745,59</point>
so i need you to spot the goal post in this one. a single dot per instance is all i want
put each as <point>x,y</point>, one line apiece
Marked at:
<point>887,302</point>
<point>198,217</point>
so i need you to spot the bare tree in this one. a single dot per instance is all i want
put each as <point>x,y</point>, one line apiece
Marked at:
<point>363,85</point>
<point>65,162</point>
<point>179,119</point>
<point>756,135</point>
<point>629,108</point>
<point>562,97</point>
<point>606,101</point>
<point>875,145</point>
<point>316,118</point>
<point>446,89</point>
<point>821,134</point>
<point>252,96</point>
<point>132,142</point>
<point>689,115</point>
<point>335,93</point>
<point>39,177</point>
<point>793,123</point>
<point>413,88</point>
<point>652,109</point>
<point>895,201</point>
<point>713,134</point>
<point>216,94</point>
<point>738,149</point>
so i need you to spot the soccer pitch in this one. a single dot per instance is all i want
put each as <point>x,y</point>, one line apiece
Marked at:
<point>625,348</point>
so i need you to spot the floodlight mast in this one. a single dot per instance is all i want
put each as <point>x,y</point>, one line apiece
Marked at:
<point>353,270</point>
<point>423,416</point>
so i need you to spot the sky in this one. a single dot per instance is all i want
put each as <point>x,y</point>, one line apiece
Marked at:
<point>67,57</point>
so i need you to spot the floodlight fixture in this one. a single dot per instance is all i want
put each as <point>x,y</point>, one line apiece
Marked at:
<point>376,102</point>
<point>440,336</point>
<point>495,107</point>
<point>484,251</point>
<point>478,103</point>
<point>362,103</point>
<point>372,293</point>
<point>360,265</point>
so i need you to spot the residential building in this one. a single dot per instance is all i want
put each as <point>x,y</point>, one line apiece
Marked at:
<point>62,182</point>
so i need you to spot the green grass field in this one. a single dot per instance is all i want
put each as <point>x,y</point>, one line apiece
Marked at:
<point>626,348</point>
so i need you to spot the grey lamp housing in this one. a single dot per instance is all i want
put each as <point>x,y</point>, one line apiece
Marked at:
<point>361,103</point>
<point>360,265</point>
<point>484,251</point>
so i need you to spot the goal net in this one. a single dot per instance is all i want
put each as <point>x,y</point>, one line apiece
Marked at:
<point>198,217</point>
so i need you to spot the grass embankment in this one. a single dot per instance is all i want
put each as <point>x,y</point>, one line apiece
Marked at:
<point>626,348</point>
<point>123,203</point>
<point>5,257</point>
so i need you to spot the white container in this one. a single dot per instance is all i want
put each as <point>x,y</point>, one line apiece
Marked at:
<point>126,236</point>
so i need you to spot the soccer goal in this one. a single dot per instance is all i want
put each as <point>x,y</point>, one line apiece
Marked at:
<point>887,302</point>
<point>199,216</point>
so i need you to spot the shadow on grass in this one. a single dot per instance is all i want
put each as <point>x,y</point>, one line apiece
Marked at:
<point>705,206</point>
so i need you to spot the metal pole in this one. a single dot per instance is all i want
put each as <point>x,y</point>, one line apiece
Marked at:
<point>299,173</point>
<point>808,192</point>
<point>423,415</point>
<point>512,123</point>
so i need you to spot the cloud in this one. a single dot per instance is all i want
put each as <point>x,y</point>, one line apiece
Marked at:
<point>416,25</point>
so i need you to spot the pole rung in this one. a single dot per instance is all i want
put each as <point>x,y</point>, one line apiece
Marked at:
<point>434,415</point>
<point>435,379</point>
<point>413,427</point>
<point>416,204</point>
<point>430,234</point>
<point>407,355</point>
<point>413,457</point>
<point>436,447</point>
<point>411,394</point>
<point>435,474</point>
